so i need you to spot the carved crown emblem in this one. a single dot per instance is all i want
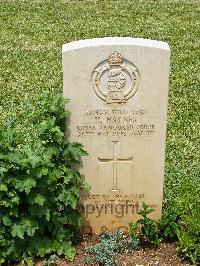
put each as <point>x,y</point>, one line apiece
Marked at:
<point>115,59</point>
<point>115,80</point>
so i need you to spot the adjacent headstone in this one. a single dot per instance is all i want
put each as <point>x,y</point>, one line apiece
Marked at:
<point>118,90</point>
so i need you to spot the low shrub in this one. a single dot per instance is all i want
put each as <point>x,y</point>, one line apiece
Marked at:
<point>179,223</point>
<point>39,188</point>
<point>111,244</point>
<point>188,209</point>
<point>145,229</point>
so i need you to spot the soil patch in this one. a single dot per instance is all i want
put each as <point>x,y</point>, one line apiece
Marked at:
<point>164,255</point>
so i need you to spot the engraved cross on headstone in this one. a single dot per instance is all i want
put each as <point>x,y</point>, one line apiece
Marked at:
<point>114,160</point>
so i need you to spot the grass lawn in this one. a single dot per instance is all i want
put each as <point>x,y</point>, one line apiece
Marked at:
<point>32,34</point>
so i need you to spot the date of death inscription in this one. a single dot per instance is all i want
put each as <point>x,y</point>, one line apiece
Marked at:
<point>108,123</point>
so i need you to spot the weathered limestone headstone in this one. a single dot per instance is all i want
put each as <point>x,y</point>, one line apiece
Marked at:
<point>118,91</point>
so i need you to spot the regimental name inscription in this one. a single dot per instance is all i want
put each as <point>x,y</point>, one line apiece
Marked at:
<point>115,122</point>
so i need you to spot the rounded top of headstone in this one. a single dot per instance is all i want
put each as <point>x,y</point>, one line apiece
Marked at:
<point>115,41</point>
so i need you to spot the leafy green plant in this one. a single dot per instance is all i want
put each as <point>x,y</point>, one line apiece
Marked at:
<point>169,224</point>
<point>179,222</point>
<point>188,208</point>
<point>39,188</point>
<point>146,229</point>
<point>110,245</point>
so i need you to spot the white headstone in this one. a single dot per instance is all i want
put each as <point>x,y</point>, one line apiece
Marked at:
<point>118,91</point>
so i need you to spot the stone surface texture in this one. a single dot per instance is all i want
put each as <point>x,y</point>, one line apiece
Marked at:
<point>118,91</point>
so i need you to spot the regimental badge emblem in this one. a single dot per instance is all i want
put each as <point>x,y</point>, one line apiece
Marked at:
<point>116,79</point>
